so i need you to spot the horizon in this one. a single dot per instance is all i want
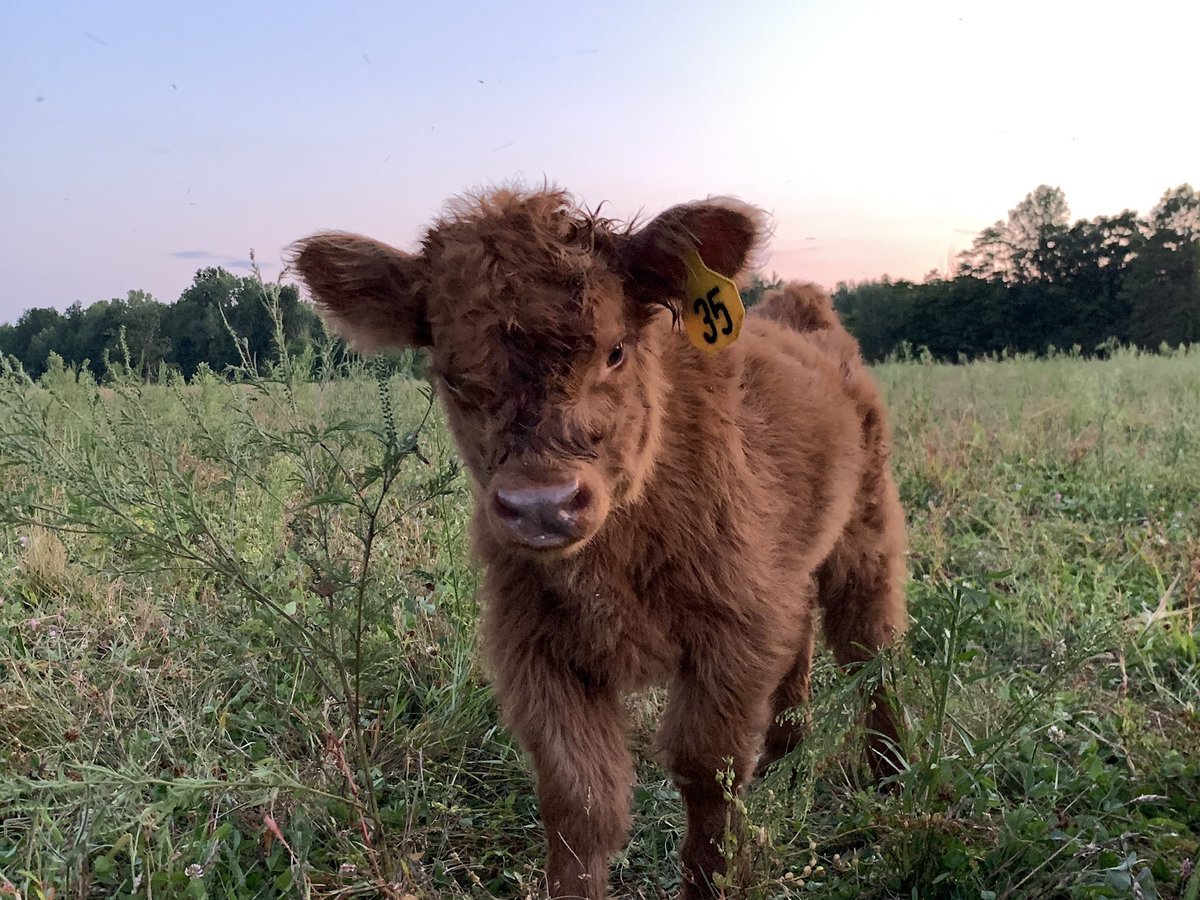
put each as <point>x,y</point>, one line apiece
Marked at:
<point>146,143</point>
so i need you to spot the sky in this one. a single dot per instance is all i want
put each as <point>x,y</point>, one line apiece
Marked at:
<point>142,141</point>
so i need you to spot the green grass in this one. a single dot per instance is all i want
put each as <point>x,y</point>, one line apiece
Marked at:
<point>237,655</point>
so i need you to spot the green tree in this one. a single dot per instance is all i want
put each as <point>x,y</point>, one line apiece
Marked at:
<point>877,313</point>
<point>142,318</point>
<point>1096,255</point>
<point>1162,284</point>
<point>1027,247</point>
<point>37,332</point>
<point>1177,215</point>
<point>195,323</point>
<point>1162,289</point>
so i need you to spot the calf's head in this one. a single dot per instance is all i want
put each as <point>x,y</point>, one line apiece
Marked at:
<point>542,323</point>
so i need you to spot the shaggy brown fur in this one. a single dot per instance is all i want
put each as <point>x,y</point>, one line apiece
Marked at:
<point>645,511</point>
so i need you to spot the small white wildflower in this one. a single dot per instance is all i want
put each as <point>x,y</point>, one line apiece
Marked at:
<point>195,870</point>
<point>53,632</point>
<point>1056,734</point>
<point>348,870</point>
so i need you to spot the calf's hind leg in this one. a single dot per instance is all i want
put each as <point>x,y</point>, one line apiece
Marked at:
<point>786,732</point>
<point>864,612</point>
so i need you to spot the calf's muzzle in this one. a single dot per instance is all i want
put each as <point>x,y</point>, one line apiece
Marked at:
<point>543,516</point>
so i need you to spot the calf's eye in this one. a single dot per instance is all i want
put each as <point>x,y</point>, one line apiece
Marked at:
<point>616,356</point>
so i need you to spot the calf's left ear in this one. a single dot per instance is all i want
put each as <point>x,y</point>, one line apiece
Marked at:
<point>372,294</point>
<point>727,234</point>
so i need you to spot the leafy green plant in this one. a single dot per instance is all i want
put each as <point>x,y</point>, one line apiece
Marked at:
<point>276,513</point>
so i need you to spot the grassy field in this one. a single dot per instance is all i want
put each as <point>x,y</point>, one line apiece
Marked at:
<point>237,652</point>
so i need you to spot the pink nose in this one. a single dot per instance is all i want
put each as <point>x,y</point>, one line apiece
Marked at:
<point>543,516</point>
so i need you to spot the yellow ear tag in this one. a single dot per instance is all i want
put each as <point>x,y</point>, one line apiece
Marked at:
<point>713,311</point>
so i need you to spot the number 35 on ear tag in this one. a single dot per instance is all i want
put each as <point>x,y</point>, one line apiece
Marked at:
<point>713,310</point>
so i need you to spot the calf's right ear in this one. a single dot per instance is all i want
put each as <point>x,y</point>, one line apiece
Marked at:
<point>371,294</point>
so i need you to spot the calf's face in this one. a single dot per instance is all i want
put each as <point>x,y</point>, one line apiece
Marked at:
<point>540,322</point>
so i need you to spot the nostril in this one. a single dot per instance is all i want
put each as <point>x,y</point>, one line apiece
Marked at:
<point>580,500</point>
<point>506,506</point>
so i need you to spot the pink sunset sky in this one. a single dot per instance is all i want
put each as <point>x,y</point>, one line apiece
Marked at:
<point>145,140</point>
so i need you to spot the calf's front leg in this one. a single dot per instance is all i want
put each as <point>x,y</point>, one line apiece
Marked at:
<point>711,720</point>
<point>574,733</point>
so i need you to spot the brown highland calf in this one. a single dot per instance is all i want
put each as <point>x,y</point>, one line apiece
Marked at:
<point>645,510</point>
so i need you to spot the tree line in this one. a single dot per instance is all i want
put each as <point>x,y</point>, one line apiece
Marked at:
<point>153,337</point>
<point>1034,281</point>
<point>1027,283</point>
